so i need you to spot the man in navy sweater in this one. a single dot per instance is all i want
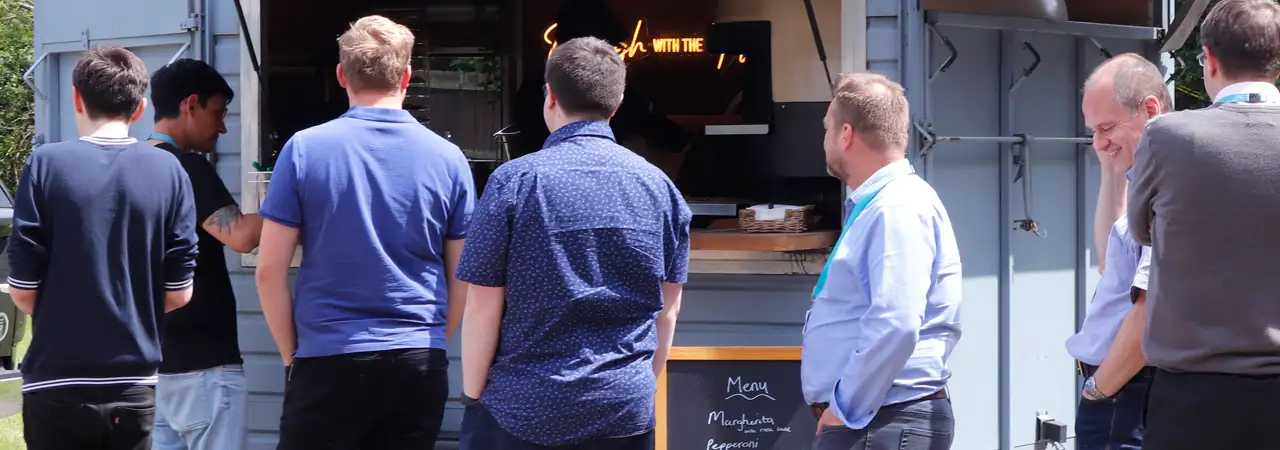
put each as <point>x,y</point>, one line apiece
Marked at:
<point>103,245</point>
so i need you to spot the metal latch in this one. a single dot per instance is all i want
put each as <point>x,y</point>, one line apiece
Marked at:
<point>192,23</point>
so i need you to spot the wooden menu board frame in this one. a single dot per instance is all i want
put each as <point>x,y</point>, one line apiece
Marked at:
<point>709,354</point>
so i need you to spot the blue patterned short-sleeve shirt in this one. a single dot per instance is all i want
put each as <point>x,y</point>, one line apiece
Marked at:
<point>582,234</point>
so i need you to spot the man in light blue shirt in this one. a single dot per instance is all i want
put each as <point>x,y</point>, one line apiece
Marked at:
<point>1121,95</point>
<point>885,313</point>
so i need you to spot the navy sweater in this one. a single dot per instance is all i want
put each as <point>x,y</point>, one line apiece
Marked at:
<point>102,228</point>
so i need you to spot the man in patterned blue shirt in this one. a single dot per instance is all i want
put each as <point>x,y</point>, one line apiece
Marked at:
<point>576,254</point>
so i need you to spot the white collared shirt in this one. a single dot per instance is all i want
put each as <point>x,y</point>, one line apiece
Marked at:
<point>1268,91</point>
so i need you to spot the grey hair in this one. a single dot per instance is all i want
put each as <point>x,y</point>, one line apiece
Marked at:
<point>1134,78</point>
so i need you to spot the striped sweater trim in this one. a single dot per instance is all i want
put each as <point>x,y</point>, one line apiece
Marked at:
<point>82,382</point>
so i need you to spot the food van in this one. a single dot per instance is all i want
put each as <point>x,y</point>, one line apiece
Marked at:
<point>996,129</point>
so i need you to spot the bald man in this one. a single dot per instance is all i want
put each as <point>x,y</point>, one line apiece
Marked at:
<point>1120,96</point>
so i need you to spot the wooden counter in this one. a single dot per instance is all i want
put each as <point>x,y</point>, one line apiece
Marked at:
<point>730,252</point>
<point>765,242</point>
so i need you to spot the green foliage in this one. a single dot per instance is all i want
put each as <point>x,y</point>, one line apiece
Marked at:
<point>487,69</point>
<point>17,106</point>
<point>1188,75</point>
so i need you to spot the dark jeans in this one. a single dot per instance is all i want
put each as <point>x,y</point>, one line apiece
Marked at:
<point>481,432</point>
<point>388,400</point>
<point>1114,423</point>
<point>919,425</point>
<point>89,418</point>
<point>1199,411</point>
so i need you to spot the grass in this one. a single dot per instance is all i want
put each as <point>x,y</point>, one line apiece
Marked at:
<point>11,427</point>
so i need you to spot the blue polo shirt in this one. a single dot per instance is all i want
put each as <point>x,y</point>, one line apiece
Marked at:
<point>375,195</point>
<point>582,234</point>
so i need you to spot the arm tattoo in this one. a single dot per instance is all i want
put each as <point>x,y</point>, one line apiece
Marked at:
<point>224,218</point>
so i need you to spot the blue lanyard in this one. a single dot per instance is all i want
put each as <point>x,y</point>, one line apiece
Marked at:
<point>857,209</point>
<point>164,137</point>
<point>1252,97</point>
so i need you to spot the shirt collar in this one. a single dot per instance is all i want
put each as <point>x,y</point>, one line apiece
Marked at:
<point>596,128</point>
<point>880,178</point>
<point>1268,91</point>
<point>109,141</point>
<point>380,114</point>
<point>1128,175</point>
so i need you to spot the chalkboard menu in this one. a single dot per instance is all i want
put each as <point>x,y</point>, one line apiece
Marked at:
<point>735,404</point>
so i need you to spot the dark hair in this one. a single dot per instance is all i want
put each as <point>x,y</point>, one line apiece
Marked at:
<point>1244,35</point>
<point>587,77</point>
<point>112,82</point>
<point>180,79</point>
<point>587,18</point>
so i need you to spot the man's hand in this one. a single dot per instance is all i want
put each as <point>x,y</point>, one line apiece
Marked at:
<point>827,420</point>
<point>1107,157</point>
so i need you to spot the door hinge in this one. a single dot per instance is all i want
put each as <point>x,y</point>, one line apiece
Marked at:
<point>192,23</point>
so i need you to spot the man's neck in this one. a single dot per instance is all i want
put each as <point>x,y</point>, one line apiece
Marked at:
<point>561,122</point>
<point>168,128</point>
<point>861,172</point>
<point>106,129</point>
<point>376,100</point>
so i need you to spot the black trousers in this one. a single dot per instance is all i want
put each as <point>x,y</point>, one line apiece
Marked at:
<point>1202,411</point>
<point>89,418</point>
<point>388,400</point>
<point>480,431</point>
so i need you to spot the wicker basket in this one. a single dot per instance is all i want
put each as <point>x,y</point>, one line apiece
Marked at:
<point>795,221</point>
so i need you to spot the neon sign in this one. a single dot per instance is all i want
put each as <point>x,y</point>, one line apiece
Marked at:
<point>628,50</point>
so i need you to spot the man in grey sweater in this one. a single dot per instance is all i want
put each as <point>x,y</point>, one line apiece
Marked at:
<point>1206,197</point>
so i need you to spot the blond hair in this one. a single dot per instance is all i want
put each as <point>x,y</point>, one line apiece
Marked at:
<point>875,107</point>
<point>374,54</point>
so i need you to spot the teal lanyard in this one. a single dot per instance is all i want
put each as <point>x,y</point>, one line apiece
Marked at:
<point>848,224</point>
<point>163,137</point>
<point>1251,97</point>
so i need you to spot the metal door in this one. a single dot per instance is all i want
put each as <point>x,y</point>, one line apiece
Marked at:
<point>158,31</point>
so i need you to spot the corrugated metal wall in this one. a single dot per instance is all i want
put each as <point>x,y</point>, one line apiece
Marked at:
<point>1024,294</point>
<point>1010,362</point>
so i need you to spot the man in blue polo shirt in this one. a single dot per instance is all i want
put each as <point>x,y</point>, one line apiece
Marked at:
<point>380,205</point>
<point>577,255</point>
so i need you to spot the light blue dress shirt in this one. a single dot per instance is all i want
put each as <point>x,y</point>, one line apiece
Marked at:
<point>883,325</point>
<point>1128,266</point>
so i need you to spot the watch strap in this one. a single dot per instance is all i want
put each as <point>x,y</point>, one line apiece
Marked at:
<point>1091,387</point>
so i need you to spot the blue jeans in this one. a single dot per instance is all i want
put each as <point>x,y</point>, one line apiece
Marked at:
<point>1114,423</point>
<point>201,410</point>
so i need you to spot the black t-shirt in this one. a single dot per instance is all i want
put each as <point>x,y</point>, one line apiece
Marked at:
<point>202,334</point>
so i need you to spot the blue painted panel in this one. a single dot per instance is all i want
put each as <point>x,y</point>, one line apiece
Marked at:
<point>68,20</point>
<point>965,176</point>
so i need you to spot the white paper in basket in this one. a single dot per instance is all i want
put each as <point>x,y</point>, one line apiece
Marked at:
<point>776,212</point>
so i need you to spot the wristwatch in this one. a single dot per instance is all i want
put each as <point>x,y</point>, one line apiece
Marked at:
<point>1091,390</point>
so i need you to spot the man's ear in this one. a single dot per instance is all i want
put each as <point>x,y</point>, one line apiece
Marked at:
<point>189,103</point>
<point>847,135</point>
<point>76,101</point>
<point>1151,105</point>
<point>342,79</point>
<point>406,78</point>
<point>137,114</point>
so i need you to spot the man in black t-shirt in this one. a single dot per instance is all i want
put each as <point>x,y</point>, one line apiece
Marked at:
<point>201,395</point>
